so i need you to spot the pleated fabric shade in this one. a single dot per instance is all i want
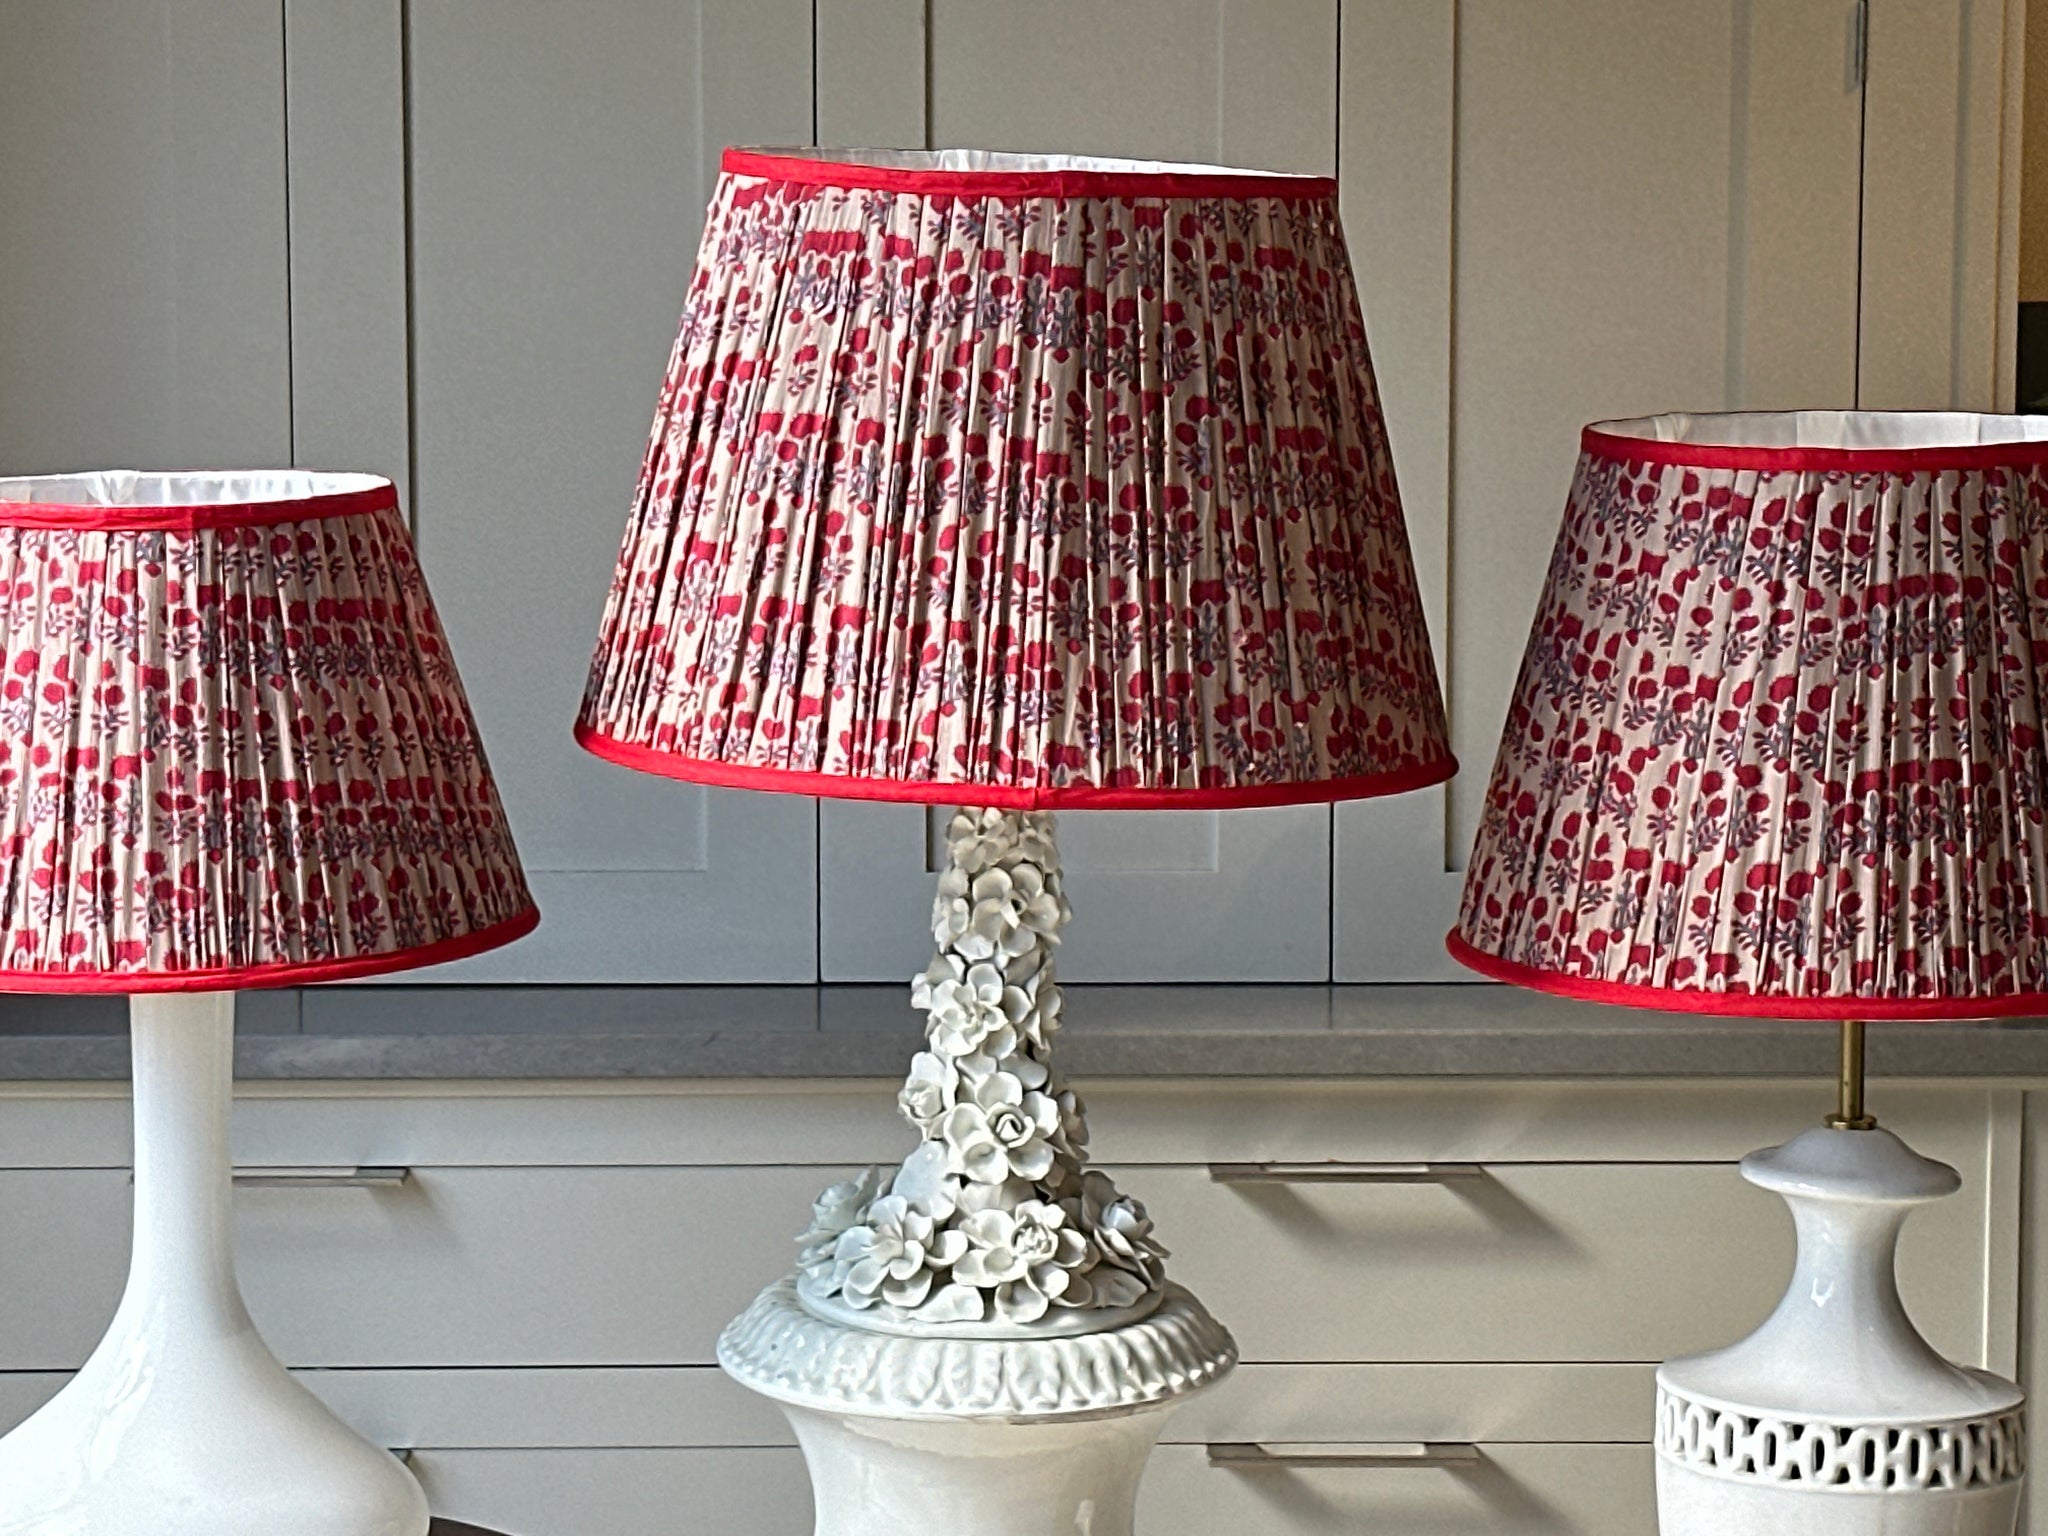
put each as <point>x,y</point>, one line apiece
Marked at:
<point>1777,744</point>
<point>234,750</point>
<point>1021,482</point>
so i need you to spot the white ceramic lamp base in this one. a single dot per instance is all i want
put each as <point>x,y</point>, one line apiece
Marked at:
<point>982,1342</point>
<point>1836,1418</point>
<point>182,1423</point>
<point>947,1436</point>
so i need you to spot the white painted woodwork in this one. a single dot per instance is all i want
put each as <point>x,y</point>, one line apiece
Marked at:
<point>459,1266</point>
<point>570,1408</point>
<point>143,317</point>
<point>1602,206</point>
<point>1940,267</point>
<point>746,1122</point>
<point>533,1313</point>
<point>1608,1225</point>
<point>561,158</point>
<point>1554,210</point>
<point>345,123</point>
<point>732,1492</point>
<point>1510,1490</point>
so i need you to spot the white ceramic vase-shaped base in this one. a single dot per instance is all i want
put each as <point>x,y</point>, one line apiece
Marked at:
<point>182,1423</point>
<point>945,1436</point>
<point>1836,1417</point>
<point>1691,1503</point>
<point>875,1476</point>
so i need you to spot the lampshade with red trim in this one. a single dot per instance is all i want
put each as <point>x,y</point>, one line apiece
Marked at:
<point>234,751</point>
<point>1019,481</point>
<point>1777,743</point>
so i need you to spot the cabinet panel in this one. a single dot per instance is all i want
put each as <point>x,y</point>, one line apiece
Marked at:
<point>1197,896</point>
<point>1564,212</point>
<point>143,318</point>
<point>734,1492</point>
<point>1614,170</point>
<point>459,1266</point>
<point>1508,1490</point>
<point>1525,1262</point>
<point>561,158</point>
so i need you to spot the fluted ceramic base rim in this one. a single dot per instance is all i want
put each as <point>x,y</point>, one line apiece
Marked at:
<point>782,1350</point>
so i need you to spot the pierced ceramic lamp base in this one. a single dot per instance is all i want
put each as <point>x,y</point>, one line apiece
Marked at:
<point>944,1436</point>
<point>182,1423</point>
<point>1836,1418</point>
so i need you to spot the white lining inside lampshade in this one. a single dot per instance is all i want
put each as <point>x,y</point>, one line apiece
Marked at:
<point>115,488</point>
<point>1000,162</point>
<point>1912,430</point>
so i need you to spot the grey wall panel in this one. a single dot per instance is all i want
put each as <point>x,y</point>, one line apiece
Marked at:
<point>561,158</point>
<point>143,312</point>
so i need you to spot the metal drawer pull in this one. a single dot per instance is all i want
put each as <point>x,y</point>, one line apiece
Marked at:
<point>322,1178</point>
<point>1343,1173</point>
<point>1248,1456</point>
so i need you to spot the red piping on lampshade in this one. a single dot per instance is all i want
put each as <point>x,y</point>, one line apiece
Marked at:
<point>796,170</point>
<point>278,511</point>
<point>1648,450</point>
<point>1759,1005</point>
<point>1072,797</point>
<point>283,974</point>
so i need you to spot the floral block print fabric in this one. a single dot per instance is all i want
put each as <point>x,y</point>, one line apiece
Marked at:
<point>1019,487</point>
<point>234,750</point>
<point>1776,747</point>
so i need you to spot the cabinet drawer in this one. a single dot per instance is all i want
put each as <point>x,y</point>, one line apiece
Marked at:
<point>1506,1490</point>
<point>1524,1262</point>
<point>594,1266</point>
<point>726,1491</point>
<point>457,1266</point>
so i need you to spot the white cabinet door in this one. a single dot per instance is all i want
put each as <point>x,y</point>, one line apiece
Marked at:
<point>1561,212</point>
<point>143,315</point>
<point>560,158</point>
<point>1185,895</point>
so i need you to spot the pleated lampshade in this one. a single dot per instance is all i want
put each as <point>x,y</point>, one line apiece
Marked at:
<point>1777,743</point>
<point>234,750</point>
<point>1020,482</point>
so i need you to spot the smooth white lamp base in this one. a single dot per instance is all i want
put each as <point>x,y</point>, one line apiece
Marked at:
<point>949,1436</point>
<point>1836,1418</point>
<point>182,1423</point>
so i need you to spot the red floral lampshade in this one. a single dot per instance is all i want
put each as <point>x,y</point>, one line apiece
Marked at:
<point>1019,482</point>
<point>1777,743</point>
<point>234,751</point>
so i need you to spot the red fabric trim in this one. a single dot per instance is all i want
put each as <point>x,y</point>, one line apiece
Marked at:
<point>1645,450</point>
<point>1756,1005</point>
<point>1076,797</point>
<point>254,514</point>
<point>260,977</point>
<point>795,170</point>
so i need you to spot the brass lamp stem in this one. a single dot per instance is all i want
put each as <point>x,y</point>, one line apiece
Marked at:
<point>1851,1116</point>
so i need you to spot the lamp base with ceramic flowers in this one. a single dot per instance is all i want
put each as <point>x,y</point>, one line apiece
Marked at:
<point>992,1289</point>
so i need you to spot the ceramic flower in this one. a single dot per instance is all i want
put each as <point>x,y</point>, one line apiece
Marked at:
<point>929,1090</point>
<point>972,1150</point>
<point>1023,1122</point>
<point>1027,902</point>
<point>965,1004</point>
<point>890,1257</point>
<point>926,1182</point>
<point>1026,1256</point>
<point>1120,1229</point>
<point>832,1213</point>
